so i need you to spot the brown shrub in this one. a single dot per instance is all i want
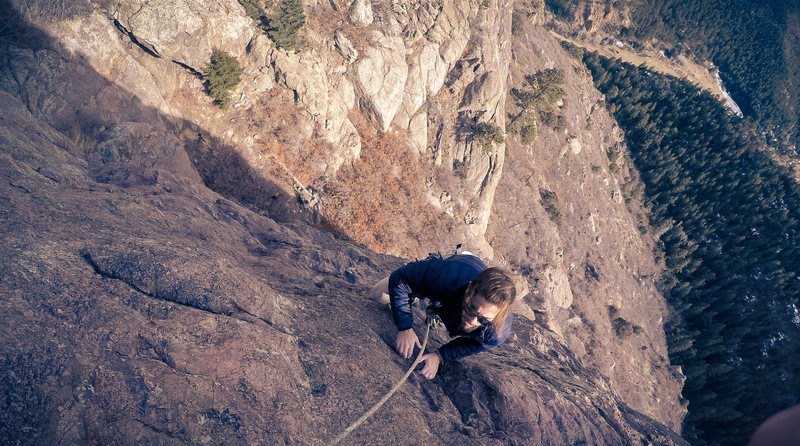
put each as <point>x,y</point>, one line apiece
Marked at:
<point>380,201</point>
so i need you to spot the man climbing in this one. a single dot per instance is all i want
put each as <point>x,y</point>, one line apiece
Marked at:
<point>472,300</point>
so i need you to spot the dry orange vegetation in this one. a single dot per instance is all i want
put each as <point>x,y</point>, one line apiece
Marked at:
<point>380,201</point>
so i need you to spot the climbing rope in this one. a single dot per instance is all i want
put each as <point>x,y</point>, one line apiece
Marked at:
<point>431,322</point>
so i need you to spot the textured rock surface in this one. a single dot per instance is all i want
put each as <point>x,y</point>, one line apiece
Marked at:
<point>390,61</point>
<point>129,217</point>
<point>185,30</point>
<point>381,73</point>
<point>327,97</point>
<point>148,309</point>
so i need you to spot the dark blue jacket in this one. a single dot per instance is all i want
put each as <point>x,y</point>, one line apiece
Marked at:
<point>444,282</point>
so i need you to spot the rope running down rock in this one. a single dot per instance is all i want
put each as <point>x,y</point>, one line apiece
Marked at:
<point>367,414</point>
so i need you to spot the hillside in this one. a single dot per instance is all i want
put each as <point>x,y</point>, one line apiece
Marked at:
<point>729,216</point>
<point>720,188</point>
<point>680,67</point>
<point>752,45</point>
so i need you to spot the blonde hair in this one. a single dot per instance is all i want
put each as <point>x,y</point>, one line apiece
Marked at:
<point>496,286</point>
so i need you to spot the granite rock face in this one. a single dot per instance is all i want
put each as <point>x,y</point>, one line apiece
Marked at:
<point>151,309</point>
<point>183,30</point>
<point>142,307</point>
<point>433,69</point>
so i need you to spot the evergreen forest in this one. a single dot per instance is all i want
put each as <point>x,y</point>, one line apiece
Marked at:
<point>730,227</point>
<point>755,44</point>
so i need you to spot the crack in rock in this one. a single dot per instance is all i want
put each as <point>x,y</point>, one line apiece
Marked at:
<point>236,312</point>
<point>146,47</point>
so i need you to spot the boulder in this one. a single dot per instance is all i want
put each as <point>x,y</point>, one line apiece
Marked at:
<point>361,12</point>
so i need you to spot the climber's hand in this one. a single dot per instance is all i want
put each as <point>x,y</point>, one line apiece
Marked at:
<point>431,361</point>
<point>406,340</point>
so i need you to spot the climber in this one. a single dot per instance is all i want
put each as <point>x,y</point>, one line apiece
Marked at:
<point>473,302</point>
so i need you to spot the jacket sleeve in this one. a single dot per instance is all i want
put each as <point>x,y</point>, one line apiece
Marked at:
<point>402,283</point>
<point>432,278</point>
<point>485,339</point>
<point>460,347</point>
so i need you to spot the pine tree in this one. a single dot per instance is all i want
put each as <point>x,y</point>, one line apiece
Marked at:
<point>222,75</point>
<point>283,26</point>
<point>536,99</point>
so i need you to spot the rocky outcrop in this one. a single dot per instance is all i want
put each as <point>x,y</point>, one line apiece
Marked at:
<point>149,309</point>
<point>326,97</point>
<point>185,30</point>
<point>381,74</point>
<point>594,15</point>
<point>432,68</point>
<point>437,46</point>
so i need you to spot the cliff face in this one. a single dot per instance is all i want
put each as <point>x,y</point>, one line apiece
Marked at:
<point>148,309</point>
<point>594,263</point>
<point>169,313</point>
<point>429,69</point>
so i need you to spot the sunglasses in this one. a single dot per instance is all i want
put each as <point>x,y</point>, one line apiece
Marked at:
<point>472,312</point>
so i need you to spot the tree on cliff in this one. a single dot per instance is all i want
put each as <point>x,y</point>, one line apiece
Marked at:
<point>535,99</point>
<point>283,25</point>
<point>222,75</point>
<point>282,21</point>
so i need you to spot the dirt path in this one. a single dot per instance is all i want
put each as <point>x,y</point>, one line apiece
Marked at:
<point>680,67</point>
